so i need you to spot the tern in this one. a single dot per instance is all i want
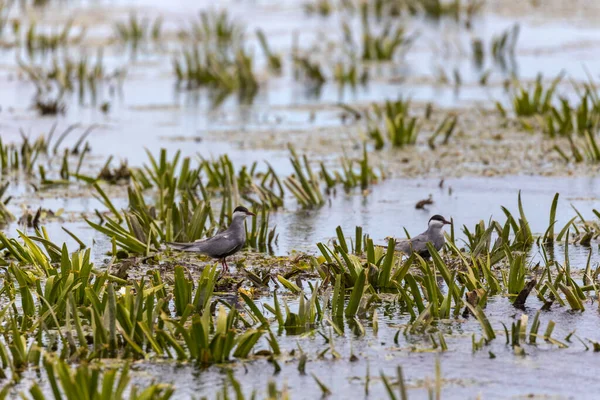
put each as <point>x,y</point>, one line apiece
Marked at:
<point>223,244</point>
<point>434,235</point>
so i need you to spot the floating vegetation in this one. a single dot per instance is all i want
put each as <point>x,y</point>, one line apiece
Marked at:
<point>105,316</point>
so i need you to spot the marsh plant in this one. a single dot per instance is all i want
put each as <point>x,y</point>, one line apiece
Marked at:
<point>534,100</point>
<point>217,30</point>
<point>39,41</point>
<point>200,68</point>
<point>138,30</point>
<point>45,159</point>
<point>381,43</point>
<point>392,123</point>
<point>84,76</point>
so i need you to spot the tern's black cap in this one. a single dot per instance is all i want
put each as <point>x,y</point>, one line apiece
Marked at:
<point>438,217</point>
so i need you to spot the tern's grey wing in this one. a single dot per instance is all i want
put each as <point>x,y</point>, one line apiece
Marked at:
<point>403,246</point>
<point>418,244</point>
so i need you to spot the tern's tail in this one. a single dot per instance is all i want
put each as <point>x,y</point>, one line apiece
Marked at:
<point>194,246</point>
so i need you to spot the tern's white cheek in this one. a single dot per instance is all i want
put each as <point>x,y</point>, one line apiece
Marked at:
<point>436,224</point>
<point>238,215</point>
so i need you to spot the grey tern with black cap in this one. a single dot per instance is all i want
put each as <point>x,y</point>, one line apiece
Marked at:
<point>223,244</point>
<point>434,235</point>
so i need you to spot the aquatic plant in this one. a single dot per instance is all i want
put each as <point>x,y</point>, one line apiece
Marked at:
<point>136,31</point>
<point>584,149</point>
<point>88,381</point>
<point>196,68</point>
<point>445,128</point>
<point>6,216</point>
<point>321,7</point>
<point>383,44</point>
<point>536,101</point>
<point>400,130</point>
<point>503,46</point>
<point>216,30</point>
<point>274,60</point>
<point>41,43</point>
<point>304,185</point>
<point>67,76</point>
<point>349,176</point>
<point>310,71</point>
<point>393,122</point>
<point>349,73</point>
<point>22,160</point>
<point>261,236</point>
<point>438,9</point>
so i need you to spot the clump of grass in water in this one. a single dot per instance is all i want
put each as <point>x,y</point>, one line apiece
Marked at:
<point>384,45</point>
<point>273,59</point>
<point>136,31</point>
<point>324,8</point>
<point>6,216</point>
<point>394,125</point>
<point>310,71</point>
<point>585,149</point>
<point>43,43</point>
<point>68,76</point>
<point>350,177</point>
<point>304,185</point>
<point>503,46</point>
<point>27,157</point>
<point>350,73</point>
<point>197,68</point>
<point>261,237</point>
<point>217,30</point>
<point>215,57</point>
<point>84,382</point>
<point>537,101</point>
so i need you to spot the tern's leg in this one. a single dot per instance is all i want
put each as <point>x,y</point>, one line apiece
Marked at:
<point>226,266</point>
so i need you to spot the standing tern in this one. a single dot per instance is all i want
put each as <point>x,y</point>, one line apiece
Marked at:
<point>434,235</point>
<point>223,244</point>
